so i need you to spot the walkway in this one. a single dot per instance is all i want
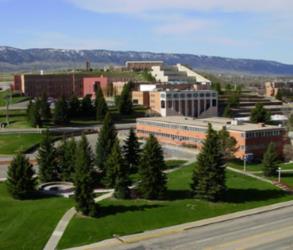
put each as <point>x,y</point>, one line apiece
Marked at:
<point>63,223</point>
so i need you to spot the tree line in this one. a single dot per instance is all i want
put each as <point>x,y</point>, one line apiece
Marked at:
<point>39,111</point>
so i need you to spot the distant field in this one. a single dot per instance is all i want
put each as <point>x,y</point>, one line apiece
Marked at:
<point>6,77</point>
<point>13,143</point>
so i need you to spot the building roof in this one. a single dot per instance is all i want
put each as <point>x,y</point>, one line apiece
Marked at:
<point>217,122</point>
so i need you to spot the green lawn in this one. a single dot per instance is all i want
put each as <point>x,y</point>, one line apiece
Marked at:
<point>13,143</point>
<point>255,166</point>
<point>170,164</point>
<point>14,99</point>
<point>133,216</point>
<point>17,118</point>
<point>28,224</point>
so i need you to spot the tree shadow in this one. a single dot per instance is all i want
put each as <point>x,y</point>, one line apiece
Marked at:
<point>173,195</point>
<point>104,211</point>
<point>234,195</point>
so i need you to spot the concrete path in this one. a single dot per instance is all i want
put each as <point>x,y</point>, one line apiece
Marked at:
<point>63,223</point>
<point>208,231</point>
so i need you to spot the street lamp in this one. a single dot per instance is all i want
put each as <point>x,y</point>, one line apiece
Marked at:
<point>244,162</point>
<point>279,174</point>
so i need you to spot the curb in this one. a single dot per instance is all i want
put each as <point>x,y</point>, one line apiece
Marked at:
<point>134,238</point>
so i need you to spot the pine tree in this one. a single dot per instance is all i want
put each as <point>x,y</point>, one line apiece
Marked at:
<point>227,111</point>
<point>259,114</point>
<point>106,140</point>
<point>21,183</point>
<point>152,184</point>
<point>33,114</point>
<point>66,158</point>
<point>74,107</point>
<point>48,167</point>
<point>83,179</point>
<point>87,107</point>
<point>270,161</point>
<point>45,108</point>
<point>208,181</point>
<point>117,174</point>
<point>131,151</point>
<point>125,101</point>
<point>100,103</point>
<point>61,112</point>
<point>227,144</point>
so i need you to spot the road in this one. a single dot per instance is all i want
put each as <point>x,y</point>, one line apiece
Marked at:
<point>268,231</point>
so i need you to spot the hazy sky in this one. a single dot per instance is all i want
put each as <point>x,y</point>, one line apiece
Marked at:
<point>261,29</point>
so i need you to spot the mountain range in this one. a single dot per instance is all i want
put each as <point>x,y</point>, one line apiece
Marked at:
<point>14,59</point>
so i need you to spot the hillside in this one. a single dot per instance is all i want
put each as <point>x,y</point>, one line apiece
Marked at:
<point>13,59</point>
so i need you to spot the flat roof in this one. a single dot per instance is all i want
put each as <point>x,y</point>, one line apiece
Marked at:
<point>217,123</point>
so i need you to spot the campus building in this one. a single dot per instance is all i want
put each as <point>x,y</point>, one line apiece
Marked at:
<point>252,139</point>
<point>272,88</point>
<point>58,85</point>
<point>177,75</point>
<point>142,65</point>
<point>166,100</point>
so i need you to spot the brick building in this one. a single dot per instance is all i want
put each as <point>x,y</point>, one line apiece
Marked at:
<point>58,85</point>
<point>251,139</point>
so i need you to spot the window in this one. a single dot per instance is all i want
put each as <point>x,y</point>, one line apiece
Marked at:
<point>163,104</point>
<point>214,103</point>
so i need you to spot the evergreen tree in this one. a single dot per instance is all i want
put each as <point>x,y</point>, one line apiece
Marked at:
<point>48,167</point>
<point>33,114</point>
<point>227,144</point>
<point>45,108</point>
<point>125,100</point>
<point>270,161</point>
<point>87,107</point>
<point>61,112</point>
<point>106,140</point>
<point>152,184</point>
<point>117,174</point>
<point>131,150</point>
<point>100,103</point>
<point>74,107</point>
<point>208,181</point>
<point>259,114</point>
<point>66,159</point>
<point>83,180</point>
<point>20,181</point>
<point>227,111</point>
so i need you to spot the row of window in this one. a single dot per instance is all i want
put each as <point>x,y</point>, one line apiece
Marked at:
<point>172,126</point>
<point>188,95</point>
<point>173,137</point>
<point>263,134</point>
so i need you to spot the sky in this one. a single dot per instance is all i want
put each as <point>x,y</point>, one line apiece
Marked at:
<point>256,29</point>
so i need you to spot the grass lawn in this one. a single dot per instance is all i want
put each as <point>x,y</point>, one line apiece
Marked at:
<point>14,99</point>
<point>133,216</point>
<point>17,118</point>
<point>170,164</point>
<point>28,224</point>
<point>13,143</point>
<point>255,166</point>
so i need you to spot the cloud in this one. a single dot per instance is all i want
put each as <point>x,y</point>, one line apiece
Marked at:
<point>63,41</point>
<point>141,6</point>
<point>182,26</point>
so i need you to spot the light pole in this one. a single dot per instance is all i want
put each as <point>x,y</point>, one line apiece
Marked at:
<point>244,162</point>
<point>279,175</point>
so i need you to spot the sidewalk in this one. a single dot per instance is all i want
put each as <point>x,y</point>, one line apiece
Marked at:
<point>107,244</point>
<point>63,223</point>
